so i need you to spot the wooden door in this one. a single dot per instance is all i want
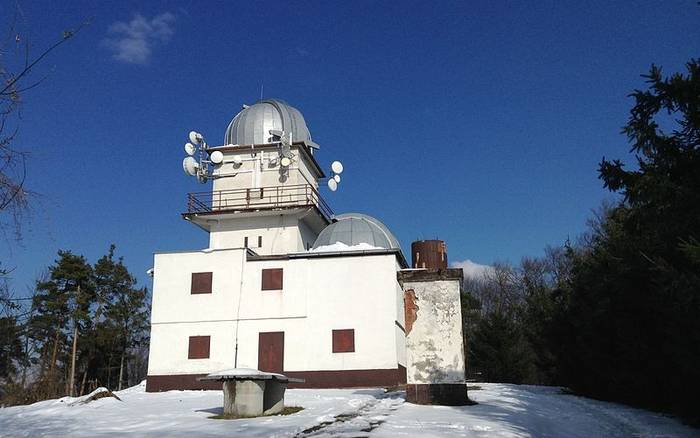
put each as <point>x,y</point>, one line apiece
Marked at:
<point>271,352</point>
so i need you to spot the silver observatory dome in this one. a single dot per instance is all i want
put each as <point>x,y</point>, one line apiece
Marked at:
<point>355,228</point>
<point>253,124</point>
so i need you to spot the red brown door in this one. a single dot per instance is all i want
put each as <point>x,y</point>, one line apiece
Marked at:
<point>271,352</point>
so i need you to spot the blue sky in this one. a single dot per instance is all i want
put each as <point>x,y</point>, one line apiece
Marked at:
<point>480,123</point>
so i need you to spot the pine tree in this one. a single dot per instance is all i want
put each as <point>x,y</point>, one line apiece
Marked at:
<point>126,310</point>
<point>633,312</point>
<point>62,308</point>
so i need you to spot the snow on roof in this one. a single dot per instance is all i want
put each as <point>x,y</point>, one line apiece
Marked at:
<point>340,246</point>
<point>242,372</point>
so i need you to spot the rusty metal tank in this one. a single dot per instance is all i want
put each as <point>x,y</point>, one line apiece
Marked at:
<point>429,254</point>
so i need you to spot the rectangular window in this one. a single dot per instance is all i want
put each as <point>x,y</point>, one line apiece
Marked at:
<point>245,242</point>
<point>272,279</point>
<point>201,283</point>
<point>199,347</point>
<point>344,341</point>
<point>259,241</point>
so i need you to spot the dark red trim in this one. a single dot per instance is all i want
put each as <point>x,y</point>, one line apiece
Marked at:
<point>179,381</point>
<point>314,379</point>
<point>402,374</point>
<point>447,394</point>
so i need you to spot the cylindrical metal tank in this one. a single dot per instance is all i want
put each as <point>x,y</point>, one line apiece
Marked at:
<point>429,254</point>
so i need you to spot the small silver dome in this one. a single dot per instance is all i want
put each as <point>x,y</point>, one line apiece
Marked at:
<point>355,228</point>
<point>253,124</point>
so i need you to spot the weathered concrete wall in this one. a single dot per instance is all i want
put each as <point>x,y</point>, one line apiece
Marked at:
<point>434,342</point>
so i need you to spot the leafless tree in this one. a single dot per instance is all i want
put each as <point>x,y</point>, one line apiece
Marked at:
<point>17,68</point>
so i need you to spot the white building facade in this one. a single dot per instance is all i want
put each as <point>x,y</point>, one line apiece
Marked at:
<point>284,285</point>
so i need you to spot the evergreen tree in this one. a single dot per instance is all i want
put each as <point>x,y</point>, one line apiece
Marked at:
<point>633,313</point>
<point>500,349</point>
<point>126,312</point>
<point>62,308</point>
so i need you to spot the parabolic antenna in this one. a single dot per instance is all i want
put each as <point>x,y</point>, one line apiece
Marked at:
<point>216,157</point>
<point>195,137</point>
<point>237,160</point>
<point>336,178</point>
<point>190,149</point>
<point>285,162</point>
<point>190,166</point>
<point>337,167</point>
<point>333,185</point>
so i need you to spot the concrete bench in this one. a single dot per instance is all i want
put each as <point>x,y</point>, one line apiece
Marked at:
<point>252,393</point>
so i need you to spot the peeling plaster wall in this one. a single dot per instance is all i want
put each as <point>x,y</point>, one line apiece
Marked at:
<point>434,343</point>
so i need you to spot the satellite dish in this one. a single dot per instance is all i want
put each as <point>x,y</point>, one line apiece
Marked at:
<point>190,166</point>
<point>337,167</point>
<point>285,161</point>
<point>216,157</point>
<point>190,149</point>
<point>195,137</point>
<point>336,178</point>
<point>237,160</point>
<point>333,185</point>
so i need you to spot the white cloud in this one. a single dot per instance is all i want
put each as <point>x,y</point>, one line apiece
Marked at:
<point>133,42</point>
<point>471,269</point>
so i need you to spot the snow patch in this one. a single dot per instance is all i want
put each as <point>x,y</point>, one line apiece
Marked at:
<point>340,246</point>
<point>242,372</point>
<point>502,411</point>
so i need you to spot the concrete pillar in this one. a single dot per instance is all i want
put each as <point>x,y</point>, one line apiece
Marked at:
<point>244,398</point>
<point>273,402</point>
<point>435,367</point>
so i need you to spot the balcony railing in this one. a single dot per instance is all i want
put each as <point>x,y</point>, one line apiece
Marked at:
<point>262,198</point>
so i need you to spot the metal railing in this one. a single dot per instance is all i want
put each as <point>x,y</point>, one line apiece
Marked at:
<point>261,198</point>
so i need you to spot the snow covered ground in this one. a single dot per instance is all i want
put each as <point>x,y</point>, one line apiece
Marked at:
<point>503,411</point>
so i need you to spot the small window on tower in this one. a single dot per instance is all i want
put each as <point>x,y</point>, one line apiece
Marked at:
<point>344,341</point>
<point>272,279</point>
<point>245,242</point>
<point>259,241</point>
<point>201,283</point>
<point>199,347</point>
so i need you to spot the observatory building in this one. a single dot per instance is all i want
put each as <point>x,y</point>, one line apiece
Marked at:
<point>287,286</point>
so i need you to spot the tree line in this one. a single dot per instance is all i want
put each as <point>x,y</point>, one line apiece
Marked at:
<point>614,315</point>
<point>85,325</point>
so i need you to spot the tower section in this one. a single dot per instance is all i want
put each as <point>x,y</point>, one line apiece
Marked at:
<point>265,179</point>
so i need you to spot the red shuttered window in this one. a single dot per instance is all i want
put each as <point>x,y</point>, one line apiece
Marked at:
<point>199,347</point>
<point>344,341</point>
<point>272,279</point>
<point>201,283</point>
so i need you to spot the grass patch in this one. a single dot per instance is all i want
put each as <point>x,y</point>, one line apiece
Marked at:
<point>288,410</point>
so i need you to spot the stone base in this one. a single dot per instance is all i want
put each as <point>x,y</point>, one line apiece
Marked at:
<point>253,398</point>
<point>447,394</point>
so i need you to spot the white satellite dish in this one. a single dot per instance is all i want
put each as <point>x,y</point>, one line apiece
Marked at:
<point>336,178</point>
<point>285,161</point>
<point>195,137</point>
<point>337,167</point>
<point>237,160</point>
<point>216,157</point>
<point>333,185</point>
<point>190,166</point>
<point>190,149</point>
